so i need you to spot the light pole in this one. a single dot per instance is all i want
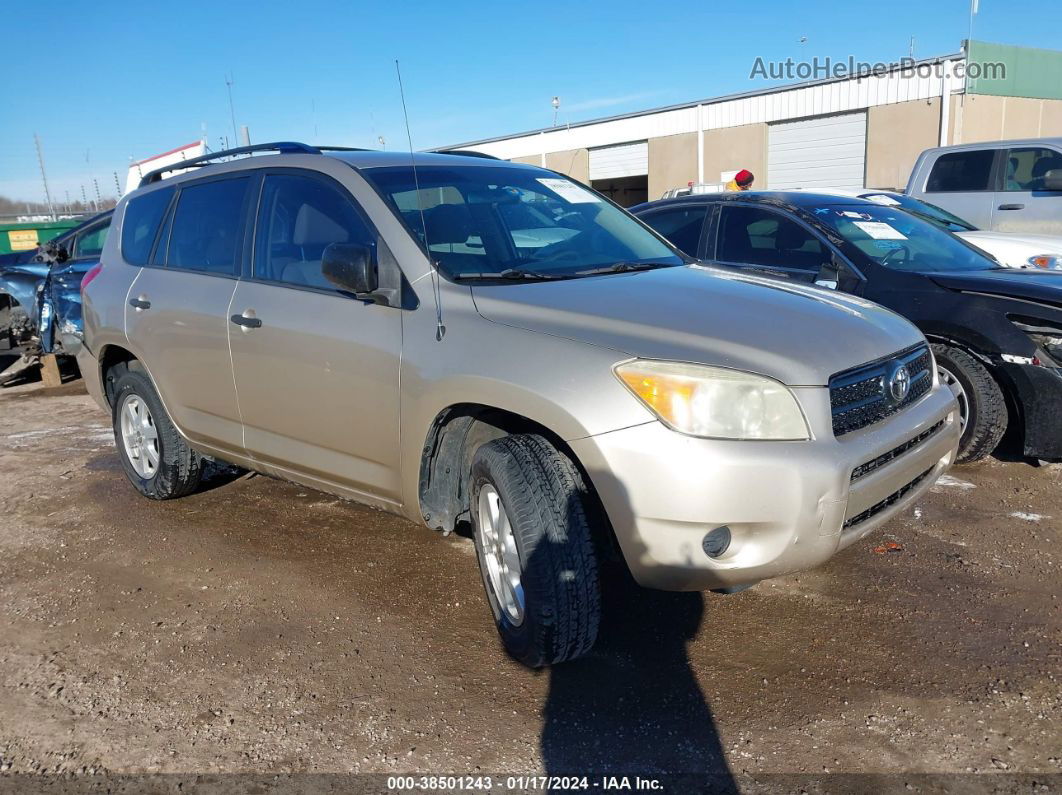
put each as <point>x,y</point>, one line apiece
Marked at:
<point>556,107</point>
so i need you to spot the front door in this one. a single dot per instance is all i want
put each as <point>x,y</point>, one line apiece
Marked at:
<point>316,370</point>
<point>1023,205</point>
<point>769,243</point>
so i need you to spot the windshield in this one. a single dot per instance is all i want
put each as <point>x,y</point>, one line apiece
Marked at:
<point>488,221</point>
<point>937,216</point>
<point>899,240</point>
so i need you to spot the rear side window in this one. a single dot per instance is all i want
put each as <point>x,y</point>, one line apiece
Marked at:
<point>141,224</point>
<point>681,225</point>
<point>206,228</point>
<point>961,171</point>
<point>749,235</point>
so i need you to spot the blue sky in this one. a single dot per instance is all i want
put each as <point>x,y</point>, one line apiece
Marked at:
<point>103,82</point>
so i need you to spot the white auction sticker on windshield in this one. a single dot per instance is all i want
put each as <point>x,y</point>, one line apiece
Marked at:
<point>569,191</point>
<point>879,230</point>
<point>880,198</point>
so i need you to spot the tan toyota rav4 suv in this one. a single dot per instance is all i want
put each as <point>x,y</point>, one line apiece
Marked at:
<point>455,339</point>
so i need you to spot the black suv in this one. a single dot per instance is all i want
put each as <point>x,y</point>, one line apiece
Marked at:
<point>996,332</point>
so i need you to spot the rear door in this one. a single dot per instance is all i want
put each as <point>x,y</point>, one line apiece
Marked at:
<point>178,311</point>
<point>963,183</point>
<point>1022,204</point>
<point>316,369</point>
<point>682,224</point>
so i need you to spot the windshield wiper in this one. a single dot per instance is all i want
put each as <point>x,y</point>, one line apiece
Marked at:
<point>512,274</point>
<point>623,267</point>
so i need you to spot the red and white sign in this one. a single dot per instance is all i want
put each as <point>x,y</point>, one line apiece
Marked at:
<point>141,168</point>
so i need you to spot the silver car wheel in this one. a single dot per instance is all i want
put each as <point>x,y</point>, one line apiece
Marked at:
<point>140,437</point>
<point>499,555</point>
<point>952,383</point>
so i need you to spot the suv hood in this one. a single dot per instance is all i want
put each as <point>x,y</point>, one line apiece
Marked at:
<point>1044,287</point>
<point>797,334</point>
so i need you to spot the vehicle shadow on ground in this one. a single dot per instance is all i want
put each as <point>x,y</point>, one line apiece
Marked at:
<point>633,705</point>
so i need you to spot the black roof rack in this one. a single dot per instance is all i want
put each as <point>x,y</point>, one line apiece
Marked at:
<point>465,153</point>
<point>282,147</point>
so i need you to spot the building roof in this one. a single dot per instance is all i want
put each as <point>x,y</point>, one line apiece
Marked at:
<point>693,104</point>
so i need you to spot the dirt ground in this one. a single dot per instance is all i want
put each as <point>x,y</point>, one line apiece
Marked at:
<point>259,626</point>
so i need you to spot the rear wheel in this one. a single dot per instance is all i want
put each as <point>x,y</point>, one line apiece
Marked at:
<point>982,408</point>
<point>531,518</point>
<point>156,458</point>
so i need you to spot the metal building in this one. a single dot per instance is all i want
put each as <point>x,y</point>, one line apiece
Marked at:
<point>863,130</point>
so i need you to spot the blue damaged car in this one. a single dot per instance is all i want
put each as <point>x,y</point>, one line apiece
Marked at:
<point>40,294</point>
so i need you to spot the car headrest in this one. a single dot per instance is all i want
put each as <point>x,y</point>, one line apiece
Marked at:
<point>314,228</point>
<point>448,223</point>
<point>1045,164</point>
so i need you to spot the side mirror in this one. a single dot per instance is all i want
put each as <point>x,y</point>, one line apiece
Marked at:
<point>351,268</point>
<point>1053,179</point>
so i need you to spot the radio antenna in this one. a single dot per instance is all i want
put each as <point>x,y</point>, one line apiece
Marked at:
<point>440,329</point>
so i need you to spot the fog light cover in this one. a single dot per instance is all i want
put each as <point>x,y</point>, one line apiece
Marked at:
<point>717,542</point>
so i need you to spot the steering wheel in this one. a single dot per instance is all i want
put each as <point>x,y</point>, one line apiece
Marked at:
<point>893,252</point>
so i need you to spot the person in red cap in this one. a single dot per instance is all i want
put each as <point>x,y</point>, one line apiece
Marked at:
<point>741,181</point>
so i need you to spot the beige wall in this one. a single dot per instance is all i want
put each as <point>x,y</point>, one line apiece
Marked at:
<point>534,160</point>
<point>896,135</point>
<point>982,117</point>
<point>573,162</point>
<point>672,162</point>
<point>733,148</point>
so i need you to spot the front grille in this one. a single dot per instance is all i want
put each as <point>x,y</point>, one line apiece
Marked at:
<point>862,396</point>
<point>892,499</point>
<point>894,453</point>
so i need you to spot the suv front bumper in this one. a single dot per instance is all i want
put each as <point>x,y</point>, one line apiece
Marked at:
<point>789,505</point>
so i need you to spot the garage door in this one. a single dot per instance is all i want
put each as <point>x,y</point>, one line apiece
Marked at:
<point>624,160</point>
<point>824,152</point>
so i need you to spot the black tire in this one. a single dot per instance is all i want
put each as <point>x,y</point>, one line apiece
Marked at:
<point>986,419</point>
<point>549,510</point>
<point>180,467</point>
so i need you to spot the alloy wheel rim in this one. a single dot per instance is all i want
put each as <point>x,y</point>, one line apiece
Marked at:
<point>499,554</point>
<point>140,436</point>
<point>949,380</point>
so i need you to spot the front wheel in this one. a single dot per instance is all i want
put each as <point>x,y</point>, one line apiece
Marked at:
<point>982,408</point>
<point>531,518</point>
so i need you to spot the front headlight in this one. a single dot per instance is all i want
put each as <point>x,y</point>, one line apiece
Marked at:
<point>1050,262</point>
<point>715,402</point>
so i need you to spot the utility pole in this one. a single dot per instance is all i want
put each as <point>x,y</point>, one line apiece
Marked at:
<point>84,199</point>
<point>117,185</point>
<point>44,177</point>
<point>232,109</point>
<point>67,200</point>
<point>97,186</point>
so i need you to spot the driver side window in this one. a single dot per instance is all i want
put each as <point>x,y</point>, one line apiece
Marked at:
<point>754,236</point>
<point>298,218</point>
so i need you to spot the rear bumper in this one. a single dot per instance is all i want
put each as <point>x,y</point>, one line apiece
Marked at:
<point>1039,394</point>
<point>789,505</point>
<point>90,372</point>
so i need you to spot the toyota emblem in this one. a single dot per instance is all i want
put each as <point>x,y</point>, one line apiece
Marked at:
<point>899,383</point>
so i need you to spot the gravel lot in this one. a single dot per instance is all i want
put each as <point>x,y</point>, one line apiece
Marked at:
<point>261,627</point>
